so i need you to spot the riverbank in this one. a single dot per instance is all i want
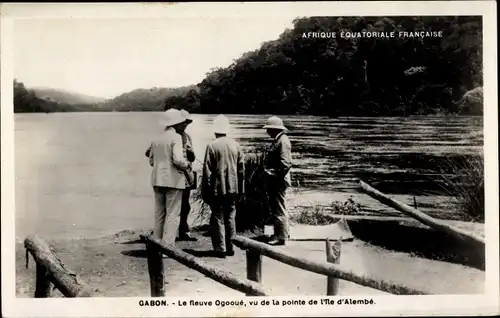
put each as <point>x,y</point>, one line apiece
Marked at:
<point>116,266</point>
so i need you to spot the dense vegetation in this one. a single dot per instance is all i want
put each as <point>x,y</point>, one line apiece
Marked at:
<point>343,76</point>
<point>143,99</point>
<point>353,76</point>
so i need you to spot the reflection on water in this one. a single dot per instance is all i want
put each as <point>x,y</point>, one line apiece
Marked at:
<point>83,166</point>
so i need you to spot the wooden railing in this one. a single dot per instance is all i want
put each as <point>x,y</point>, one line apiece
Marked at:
<point>255,250</point>
<point>155,250</point>
<point>252,285</point>
<point>52,272</point>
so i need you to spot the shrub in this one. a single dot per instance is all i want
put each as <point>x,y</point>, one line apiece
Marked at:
<point>472,102</point>
<point>315,215</point>
<point>348,207</point>
<point>324,215</point>
<point>252,210</point>
<point>463,181</point>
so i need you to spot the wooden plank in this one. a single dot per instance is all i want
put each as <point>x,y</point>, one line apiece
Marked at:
<point>332,256</point>
<point>228,279</point>
<point>324,268</point>
<point>57,273</point>
<point>422,217</point>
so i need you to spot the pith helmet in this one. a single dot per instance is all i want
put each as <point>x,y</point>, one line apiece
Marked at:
<point>221,124</point>
<point>187,116</point>
<point>274,123</point>
<point>171,117</point>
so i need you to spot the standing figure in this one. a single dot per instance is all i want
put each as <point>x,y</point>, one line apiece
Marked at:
<point>168,175</point>
<point>277,166</point>
<point>222,183</point>
<point>187,146</point>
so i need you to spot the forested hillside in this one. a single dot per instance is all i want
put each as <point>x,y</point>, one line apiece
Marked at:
<point>343,76</point>
<point>143,99</point>
<point>361,76</point>
<point>65,97</point>
<point>27,100</point>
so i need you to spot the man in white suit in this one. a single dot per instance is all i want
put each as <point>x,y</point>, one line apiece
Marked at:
<point>187,145</point>
<point>168,176</point>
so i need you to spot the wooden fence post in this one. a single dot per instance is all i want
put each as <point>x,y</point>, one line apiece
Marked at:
<point>254,265</point>
<point>51,268</point>
<point>43,285</point>
<point>332,256</point>
<point>156,272</point>
<point>219,275</point>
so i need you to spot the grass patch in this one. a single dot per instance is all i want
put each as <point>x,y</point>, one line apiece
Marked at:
<point>463,181</point>
<point>325,214</point>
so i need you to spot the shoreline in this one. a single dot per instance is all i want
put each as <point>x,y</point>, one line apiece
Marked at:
<point>298,200</point>
<point>115,266</point>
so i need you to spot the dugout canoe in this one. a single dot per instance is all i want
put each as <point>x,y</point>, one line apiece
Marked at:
<point>410,236</point>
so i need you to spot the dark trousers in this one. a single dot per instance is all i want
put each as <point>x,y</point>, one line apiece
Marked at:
<point>223,222</point>
<point>276,194</point>
<point>185,209</point>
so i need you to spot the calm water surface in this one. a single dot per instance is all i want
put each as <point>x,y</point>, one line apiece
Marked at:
<point>86,174</point>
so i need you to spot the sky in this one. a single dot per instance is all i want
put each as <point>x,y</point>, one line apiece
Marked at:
<point>108,57</point>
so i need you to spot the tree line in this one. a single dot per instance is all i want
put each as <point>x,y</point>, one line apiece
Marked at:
<point>26,101</point>
<point>342,76</point>
<point>363,76</point>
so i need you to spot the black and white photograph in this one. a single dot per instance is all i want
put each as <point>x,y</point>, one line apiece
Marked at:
<point>249,161</point>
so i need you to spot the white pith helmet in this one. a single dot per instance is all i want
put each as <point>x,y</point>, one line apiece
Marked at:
<point>221,124</point>
<point>274,122</point>
<point>171,117</point>
<point>187,116</point>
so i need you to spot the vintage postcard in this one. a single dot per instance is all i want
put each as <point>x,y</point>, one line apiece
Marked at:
<point>249,159</point>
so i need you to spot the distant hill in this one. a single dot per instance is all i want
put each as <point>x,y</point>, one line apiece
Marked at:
<point>56,100</point>
<point>143,99</point>
<point>65,97</point>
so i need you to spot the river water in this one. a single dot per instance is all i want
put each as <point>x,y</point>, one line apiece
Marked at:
<point>86,174</point>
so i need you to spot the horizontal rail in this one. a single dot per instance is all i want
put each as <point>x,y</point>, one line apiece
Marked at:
<point>324,268</point>
<point>422,217</point>
<point>51,269</point>
<point>228,279</point>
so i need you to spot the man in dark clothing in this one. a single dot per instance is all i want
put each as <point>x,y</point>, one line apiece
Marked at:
<point>190,183</point>
<point>277,167</point>
<point>222,183</point>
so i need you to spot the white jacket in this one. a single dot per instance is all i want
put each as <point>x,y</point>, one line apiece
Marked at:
<point>168,161</point>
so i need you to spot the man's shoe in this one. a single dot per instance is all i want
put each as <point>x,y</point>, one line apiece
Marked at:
<point>186,237</point>
<point>230,253</point>
<point>276,242</point>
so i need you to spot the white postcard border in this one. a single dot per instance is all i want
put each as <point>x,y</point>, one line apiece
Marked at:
<point>128,307</point>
